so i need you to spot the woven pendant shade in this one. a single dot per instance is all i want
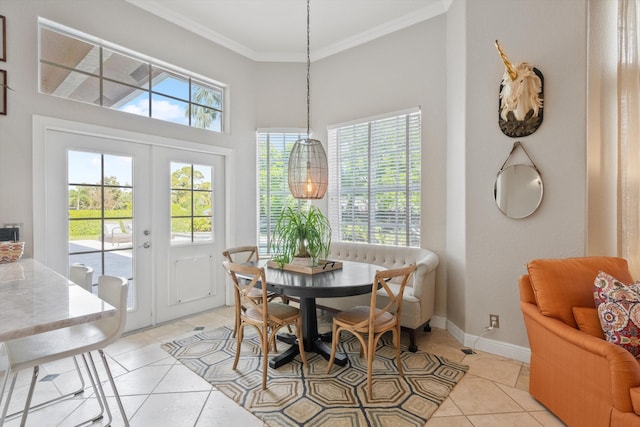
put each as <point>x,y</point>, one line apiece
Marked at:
<point>308,173</point>
<point>308,169</point>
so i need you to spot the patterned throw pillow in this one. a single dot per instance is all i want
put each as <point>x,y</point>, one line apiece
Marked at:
<point>619,311</point>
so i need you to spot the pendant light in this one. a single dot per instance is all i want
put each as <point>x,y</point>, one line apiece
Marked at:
<point>308,170</point>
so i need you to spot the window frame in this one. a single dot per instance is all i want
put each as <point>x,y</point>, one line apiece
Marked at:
<point>412,183</point>
<point>193,80</point>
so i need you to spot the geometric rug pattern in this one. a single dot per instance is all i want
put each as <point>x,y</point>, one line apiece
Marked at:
<point>311,397</point>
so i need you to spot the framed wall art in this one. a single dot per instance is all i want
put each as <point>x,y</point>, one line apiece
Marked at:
<point>3,92</point>
<point>3,39</point>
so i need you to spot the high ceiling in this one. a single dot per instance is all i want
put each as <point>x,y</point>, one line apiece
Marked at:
<point>275,30</point>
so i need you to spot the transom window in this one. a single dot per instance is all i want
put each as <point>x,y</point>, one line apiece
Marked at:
<point>77,66</point>
<point>191,203</point>
<point>374,179</point>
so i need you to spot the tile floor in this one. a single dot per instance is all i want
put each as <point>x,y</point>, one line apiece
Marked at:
<point>158,391</point>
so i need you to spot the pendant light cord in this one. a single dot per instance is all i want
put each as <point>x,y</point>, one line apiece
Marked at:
<point>308,67</point>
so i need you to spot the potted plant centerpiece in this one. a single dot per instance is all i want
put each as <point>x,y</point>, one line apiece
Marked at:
<point>302,236</point>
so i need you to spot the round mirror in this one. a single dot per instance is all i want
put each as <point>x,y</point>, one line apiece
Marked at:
<point>518,190</point>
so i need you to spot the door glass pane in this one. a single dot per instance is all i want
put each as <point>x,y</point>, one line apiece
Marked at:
<point>180,230</point>
<point>86,168</point>
<point>202,203</point>
<point>101,215</point>
<point>191,203</point>
<point>202,229</point>
<point>201,177</point>
<point>180,175</point>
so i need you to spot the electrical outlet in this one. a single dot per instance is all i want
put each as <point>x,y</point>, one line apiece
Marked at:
<point>494,320</point>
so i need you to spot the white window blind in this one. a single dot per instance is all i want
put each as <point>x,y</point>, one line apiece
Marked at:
<point>374,180</point>
<point>273,190</point>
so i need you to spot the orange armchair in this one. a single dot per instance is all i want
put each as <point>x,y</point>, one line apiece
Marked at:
<point>581,378</point>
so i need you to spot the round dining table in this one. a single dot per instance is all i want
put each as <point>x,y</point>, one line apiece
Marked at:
<point>354,278</point>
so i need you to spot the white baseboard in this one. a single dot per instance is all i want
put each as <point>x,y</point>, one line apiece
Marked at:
<point>516,352</point>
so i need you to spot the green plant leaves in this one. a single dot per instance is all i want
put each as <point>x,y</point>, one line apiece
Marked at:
<point>301,232</point>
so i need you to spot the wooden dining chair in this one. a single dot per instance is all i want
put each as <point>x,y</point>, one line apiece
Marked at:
<point>266,316</point>
<point>374,322</point>
<point>241,255</point>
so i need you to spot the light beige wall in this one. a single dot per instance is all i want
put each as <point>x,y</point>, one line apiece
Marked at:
<point>602,128</point>
<point>552,36</point>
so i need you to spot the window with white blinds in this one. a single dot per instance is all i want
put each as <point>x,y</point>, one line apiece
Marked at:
<point>374,179</point>
<point>273,190</point>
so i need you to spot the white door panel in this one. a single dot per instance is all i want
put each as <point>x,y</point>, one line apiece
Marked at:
<point>189,276</point>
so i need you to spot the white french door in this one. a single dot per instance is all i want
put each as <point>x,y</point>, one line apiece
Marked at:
<point>98,204</point>
<point>189,276</point>
<point>152,214</point>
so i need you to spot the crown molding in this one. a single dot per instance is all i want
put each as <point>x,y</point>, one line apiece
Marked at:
<point>428,12</point>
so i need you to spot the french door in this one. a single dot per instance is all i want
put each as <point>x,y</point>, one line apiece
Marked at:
<point>149,213</point>
<point>189,277</point>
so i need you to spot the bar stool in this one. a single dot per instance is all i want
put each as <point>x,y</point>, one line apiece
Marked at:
<point>32,351</point>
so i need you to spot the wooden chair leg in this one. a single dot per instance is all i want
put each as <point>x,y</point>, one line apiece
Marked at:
<point>371,354</point>
<point>303,355</point>
<point>396,338</point>
<point>238,345</point>
<point>265,354</point>
<point>335,337</point>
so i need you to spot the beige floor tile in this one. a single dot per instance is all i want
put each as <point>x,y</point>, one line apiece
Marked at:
<point>51,415</point>
<point>493,368</point>
<point>547,419</point>
<point>130,403</point>
<point>447,409</point>
<point>138,358</point>
<point>171,409</point>
<point>503,420</point>
<point>171,331</point>
<point>181,379</point>
<point>457,421</point>
<point>481,396</point>
<point>523,378</point>
<point>129,343</point>
<point>140,381</point>
<point>220,411</point>
<point>522,398</point>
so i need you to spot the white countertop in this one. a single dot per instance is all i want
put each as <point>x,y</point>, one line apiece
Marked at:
<point>34,299</point>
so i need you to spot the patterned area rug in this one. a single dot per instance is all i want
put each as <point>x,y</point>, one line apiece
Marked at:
<point>301,397</point>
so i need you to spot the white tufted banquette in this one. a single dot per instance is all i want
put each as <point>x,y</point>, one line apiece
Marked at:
<point>418,298</point>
